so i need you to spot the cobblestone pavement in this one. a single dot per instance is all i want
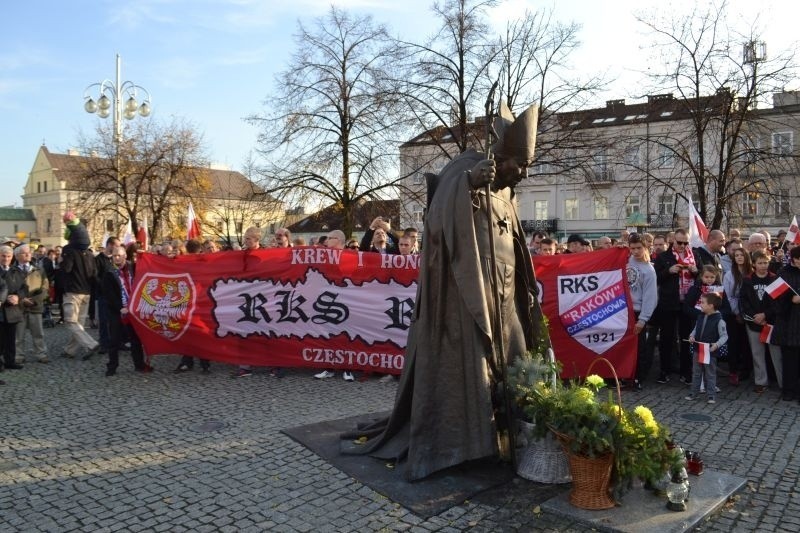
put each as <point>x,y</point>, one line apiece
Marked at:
<point>144,452</point>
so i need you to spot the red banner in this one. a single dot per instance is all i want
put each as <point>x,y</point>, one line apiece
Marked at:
<point>585,297</point>
<point>343,309</point>
<point>294,307</point>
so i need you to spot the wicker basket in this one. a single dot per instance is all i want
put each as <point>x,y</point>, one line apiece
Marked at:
<point>544,461</point>
<point>590,480</point>
<point>590,475</point>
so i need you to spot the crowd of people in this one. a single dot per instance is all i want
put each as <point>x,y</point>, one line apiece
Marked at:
<point>715,294</point>
<point>91,290</point>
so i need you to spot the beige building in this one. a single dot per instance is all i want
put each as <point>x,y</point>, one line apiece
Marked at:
<point>599,171</point>
<point>226,207</point>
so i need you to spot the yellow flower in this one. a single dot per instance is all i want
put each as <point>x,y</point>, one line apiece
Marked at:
<point>595,381</point>
<point>647,418</point>
<point>585,395</point>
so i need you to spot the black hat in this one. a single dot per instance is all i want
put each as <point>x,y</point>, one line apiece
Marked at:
<point>576,237</point>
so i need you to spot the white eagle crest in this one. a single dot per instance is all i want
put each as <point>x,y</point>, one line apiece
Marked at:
<point>164,312</point>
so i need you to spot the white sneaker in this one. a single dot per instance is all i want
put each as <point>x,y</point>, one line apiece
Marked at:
<point>325,374</point>
<point>388,378</point>
<point>348,376</point>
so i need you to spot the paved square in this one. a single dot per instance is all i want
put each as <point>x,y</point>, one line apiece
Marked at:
<point>193,452</point>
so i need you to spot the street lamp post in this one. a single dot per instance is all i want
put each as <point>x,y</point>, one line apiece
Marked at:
<point>110,97</point>
<point>111,94</point>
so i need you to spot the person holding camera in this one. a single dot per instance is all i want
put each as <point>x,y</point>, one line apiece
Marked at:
<point>379,237</point>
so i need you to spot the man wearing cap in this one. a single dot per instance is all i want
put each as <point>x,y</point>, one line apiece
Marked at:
<point>576,244</point>
<point>448,408</point>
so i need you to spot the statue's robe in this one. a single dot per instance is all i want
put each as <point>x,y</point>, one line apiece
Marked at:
<point>448,397</point>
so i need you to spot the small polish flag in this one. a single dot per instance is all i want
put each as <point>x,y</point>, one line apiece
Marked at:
<point>703,353</point>
<point>766,334</point>
<point>793,233</point>
<point>777,287</point>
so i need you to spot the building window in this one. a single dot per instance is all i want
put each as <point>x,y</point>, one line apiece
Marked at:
<point>220,226</point>
<point>782,143</point>
<point>418,178</point>
<point>666,157</point>
<point>45,186</point>
<point>239,228</point>
<point>540,210</point>
<point>750,204</point>
<point>600,208</point>
<point>631,156</point>
<point>571,209</point>
<point>600,166</point>
<point>633,204</point>
<point>695,155</point>
<point>16,228</point>
<point>417,215</point>
<point>48,226</point>
<point>665,204</point>
<point>109,226</point>
<point>782,207</point>
<point>38,186</point>
<point>257,222</point>
<point>541,167</point>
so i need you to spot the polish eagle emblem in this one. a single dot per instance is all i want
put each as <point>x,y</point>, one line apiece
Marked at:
<point>164,304</point>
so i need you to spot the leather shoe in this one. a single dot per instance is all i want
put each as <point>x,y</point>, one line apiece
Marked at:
<point>14,367</point>
<point>110,373</point>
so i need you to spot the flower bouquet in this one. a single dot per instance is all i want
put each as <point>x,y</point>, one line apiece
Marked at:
<point>608,446</point>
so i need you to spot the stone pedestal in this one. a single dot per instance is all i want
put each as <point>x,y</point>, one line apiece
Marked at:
<point>642,511</point>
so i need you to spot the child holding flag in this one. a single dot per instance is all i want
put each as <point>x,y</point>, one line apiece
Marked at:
<point>708,336</point>
<point>787,325</point>
<point>758,311</point>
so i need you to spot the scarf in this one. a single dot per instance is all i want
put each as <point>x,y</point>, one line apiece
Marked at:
<point>685,277</point>
<point>125,283</point>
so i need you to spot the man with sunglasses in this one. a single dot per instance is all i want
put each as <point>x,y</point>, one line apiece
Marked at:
<point>676,271</point>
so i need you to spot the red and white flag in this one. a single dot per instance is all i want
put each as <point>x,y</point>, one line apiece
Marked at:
<point>703,353</point>
<point>192,224</point>
<point>698,232</point>
<point>766,334</point>
<point>141,235</point>
<point>793,233</point>
<point>777,287</point>
<point>127,238</point>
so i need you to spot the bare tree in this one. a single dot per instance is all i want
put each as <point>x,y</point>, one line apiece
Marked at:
<point>446,80</point>
<point>534,68</point>
<point>157,167</point>
<point>720,89</point>
<point>330,130</point>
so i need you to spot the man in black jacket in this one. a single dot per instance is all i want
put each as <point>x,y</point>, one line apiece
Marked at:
<point>79,272</point>
<point>117,286</point>
<point>675,273</point>
<point>709,253</point>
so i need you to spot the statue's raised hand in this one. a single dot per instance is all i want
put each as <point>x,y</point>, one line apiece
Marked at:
<point>482,174</point>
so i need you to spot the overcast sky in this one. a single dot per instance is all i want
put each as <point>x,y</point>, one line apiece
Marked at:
<point>213,62</point>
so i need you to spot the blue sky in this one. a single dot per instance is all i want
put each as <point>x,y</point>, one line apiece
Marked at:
<point>213,62</point>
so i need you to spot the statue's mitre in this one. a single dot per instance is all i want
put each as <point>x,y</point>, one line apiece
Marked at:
<point>516,138</point>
